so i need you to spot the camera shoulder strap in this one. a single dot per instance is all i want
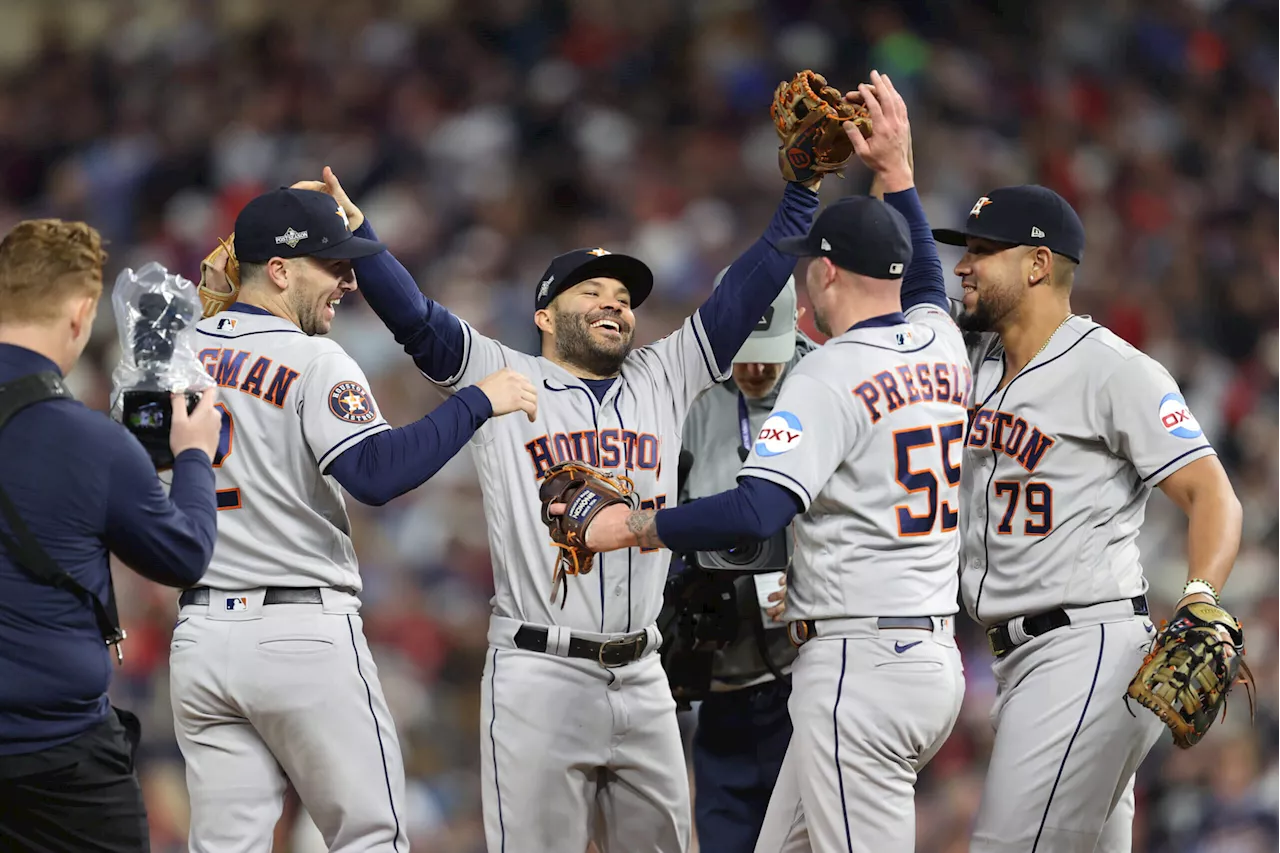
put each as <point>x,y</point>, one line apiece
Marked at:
<point>20,542</point>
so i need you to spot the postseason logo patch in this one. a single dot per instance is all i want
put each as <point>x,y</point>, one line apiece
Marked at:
<point>1177,419</point>
<point>780,433</point>
<point>351,403</point>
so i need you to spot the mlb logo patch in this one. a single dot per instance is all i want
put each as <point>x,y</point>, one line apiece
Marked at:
<point>227,324</point>
<point>237,604</point>
<point>903,339</point>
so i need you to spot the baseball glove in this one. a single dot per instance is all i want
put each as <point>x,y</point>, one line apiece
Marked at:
<point>1189,670</point>
<point>584,491</point>
<point>219,278</point>
<point>809,116</point>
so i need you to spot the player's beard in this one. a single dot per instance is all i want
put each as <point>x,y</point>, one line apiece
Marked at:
<point>820,322</point>
<point>575,344</point>
<point>311,319</point>
<point>992,307</point>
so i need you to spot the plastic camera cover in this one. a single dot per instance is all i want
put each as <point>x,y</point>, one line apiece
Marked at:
<point>156,312</point>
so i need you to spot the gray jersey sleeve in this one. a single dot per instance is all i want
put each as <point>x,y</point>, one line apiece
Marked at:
<point>336,408</point>
<point>685,359</point>
<point>481,356</point>
<point>805,438</point>
<point>1145,419</point>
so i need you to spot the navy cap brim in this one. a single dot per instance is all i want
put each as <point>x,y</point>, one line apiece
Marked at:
<point>634,274</point>
<point>349,249</point>
<point>950,237</point>
<point>799,246</point>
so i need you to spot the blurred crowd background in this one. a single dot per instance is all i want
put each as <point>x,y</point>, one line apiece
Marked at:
<point>483,137</point>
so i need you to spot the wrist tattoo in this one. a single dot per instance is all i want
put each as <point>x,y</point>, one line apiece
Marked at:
<point>643,526</point>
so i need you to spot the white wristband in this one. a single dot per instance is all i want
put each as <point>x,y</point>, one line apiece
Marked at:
<point>1199,586</point>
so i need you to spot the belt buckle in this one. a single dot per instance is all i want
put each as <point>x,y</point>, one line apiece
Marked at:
<point>615,642</point>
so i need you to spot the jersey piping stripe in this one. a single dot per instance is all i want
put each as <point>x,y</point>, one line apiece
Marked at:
<point>995,456</point>
<point>1102,644</point>
<point>622,427</point>
<point>493,747</point>
<point>247,334</point>
<point>807,499</point>
<point>835,730</point>
<point>704,345</point>
<point>891,349</point>
<point>1176,458</point>
<point>466,359</point>
<point>595,422</point>
<point>348,441</point>
<point>386,774</point>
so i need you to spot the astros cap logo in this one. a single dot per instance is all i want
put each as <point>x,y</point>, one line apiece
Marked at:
<point>978,205</point>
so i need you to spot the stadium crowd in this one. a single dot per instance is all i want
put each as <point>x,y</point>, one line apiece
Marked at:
<point>483,137</point>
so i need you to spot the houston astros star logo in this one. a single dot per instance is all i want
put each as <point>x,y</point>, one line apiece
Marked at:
<point>978,205</point>
<point>599,253</point>
<point>345,220</point>
<point>351,403</point>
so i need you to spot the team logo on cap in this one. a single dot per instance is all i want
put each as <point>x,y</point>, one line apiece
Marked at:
<point>345,220</point>
<point>780,433</point>
<point>1177,419</point>
<point>291,238</point>
<point>978,205</point>
<point>599,253</point>
<point>351,403</point>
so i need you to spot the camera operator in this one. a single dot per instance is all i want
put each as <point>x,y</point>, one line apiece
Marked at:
<point>743,727</point>
<point>74,487</point>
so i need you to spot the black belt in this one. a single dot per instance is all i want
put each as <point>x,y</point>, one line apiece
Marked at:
<point>802,631</point>
<point>1043,623</point>
<point>610,653</point>
<point>274,595</point>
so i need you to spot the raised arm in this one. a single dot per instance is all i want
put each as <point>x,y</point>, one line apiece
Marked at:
<point>887,152</point>
<point>756,278</point>
<point>434,338</point>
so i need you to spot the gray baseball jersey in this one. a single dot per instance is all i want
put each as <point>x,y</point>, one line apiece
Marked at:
<point>259,687</point>
<point>867,434</point>
<point>1059,463</point>
<point>304,402</point>
<point>714,434</point>
<point>634,430</point>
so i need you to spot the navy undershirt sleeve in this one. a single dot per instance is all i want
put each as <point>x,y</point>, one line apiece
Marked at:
<point>389,463</point>
<point>923,281</point>
<point>431,335</point>
<point>755,510</point>
<point>756,278</point>
<point>165,538</point>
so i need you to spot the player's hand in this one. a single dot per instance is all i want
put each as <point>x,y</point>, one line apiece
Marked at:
<point>775,612</point>
<point>199,430</point>
<point>608,531</point>
<point>330,185</point>
<point>508,391</point>
<point>887,151</point>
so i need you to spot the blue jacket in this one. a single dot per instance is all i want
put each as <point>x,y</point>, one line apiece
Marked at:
<point>85,487</point>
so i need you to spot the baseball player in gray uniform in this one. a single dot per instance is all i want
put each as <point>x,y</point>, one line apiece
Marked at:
<point>743,727</point>
<point>578,729</point>
<point>270,673</point>
<point>1071,430</point>
<point>862,449</point>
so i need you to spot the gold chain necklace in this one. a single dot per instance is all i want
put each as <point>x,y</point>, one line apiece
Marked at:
<point>1051,334</point>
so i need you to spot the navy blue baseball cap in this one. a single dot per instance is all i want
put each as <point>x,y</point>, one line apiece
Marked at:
<point>288,223</point>
<point>1027,215</point>
<point>859,233</point>
<point>581,264</point>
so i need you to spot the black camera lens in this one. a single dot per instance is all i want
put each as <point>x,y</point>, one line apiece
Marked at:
<point>742,555</point>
